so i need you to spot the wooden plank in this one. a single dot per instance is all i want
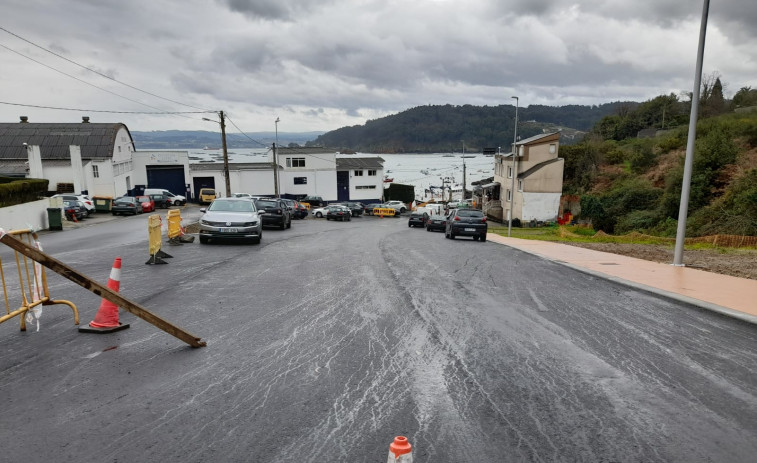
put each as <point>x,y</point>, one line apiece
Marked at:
<point>99,289</point>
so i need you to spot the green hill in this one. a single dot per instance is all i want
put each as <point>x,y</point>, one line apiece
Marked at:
<point>437,128</point>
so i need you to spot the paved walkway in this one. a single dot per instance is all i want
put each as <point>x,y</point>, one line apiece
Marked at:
<point>732,296</point>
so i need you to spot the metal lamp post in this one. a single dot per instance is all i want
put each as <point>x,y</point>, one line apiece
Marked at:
<point>276,160</point>
<point>512,187</point>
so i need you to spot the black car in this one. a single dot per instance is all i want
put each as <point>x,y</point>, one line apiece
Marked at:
<point>355,207</point>
<point>300,211</point>
<point>417,219</point>
<point>126,205</point>
<point>368,208</point>
<point>466,222</point>
<point>316,201</point>
<point>74,210</point>
<point>274,212</point>
<point>161,201</point>
<point>436,222</point>
<point>338,212</point>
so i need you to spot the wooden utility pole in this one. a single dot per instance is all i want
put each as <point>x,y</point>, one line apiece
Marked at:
<point>275,172</point>
<point>225,156</point>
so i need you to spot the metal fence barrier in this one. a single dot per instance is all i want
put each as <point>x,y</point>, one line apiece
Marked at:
<point>154,234</point>
<point>32,286</point>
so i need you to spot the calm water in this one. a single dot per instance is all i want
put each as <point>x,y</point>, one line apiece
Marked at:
<point>421,170</point>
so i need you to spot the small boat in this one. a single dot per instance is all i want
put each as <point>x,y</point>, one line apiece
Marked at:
<point>388,180</point>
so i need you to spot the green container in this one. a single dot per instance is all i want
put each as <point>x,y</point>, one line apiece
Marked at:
<point>102,203</point>
<point>55,218</point>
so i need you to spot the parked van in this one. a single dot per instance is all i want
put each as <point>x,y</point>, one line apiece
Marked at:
<point>207,195</point>
<point>435,208</point>
<point>177,200</point>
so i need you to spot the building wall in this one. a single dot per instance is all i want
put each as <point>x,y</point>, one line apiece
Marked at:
<point>364,187</point>
<point>122,147</point>
<point>539,206</point>
<point>254,182</point>
<point>547,180</point>
<point>142,159</point>
<point>23,216</point>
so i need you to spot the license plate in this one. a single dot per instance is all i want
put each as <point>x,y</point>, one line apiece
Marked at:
<point>228,230</point>
<point>470,229</point>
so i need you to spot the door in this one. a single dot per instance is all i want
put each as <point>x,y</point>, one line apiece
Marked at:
<point>169,178</point>
<point>343,185</point>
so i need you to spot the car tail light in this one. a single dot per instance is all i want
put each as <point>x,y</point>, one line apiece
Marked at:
<point>483,219</point>
<point>457,218</point>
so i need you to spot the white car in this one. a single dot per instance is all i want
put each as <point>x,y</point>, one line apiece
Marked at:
<point>319,212</point>
<point>88,203</point>
<point>397,205</point>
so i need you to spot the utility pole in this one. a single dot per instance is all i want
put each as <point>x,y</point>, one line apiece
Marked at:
<point>225,155</point>
<point>276,160</point>
<point>464,195</point>
<point>512,187</point>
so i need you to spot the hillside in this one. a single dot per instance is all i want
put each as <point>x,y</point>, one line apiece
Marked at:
<point>634,184</point>
<point>196,139</point>
<point>437,128</point>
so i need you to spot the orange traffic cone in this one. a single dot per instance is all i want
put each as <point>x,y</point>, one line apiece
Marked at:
<point>400,451</point>
<point>106,320</point>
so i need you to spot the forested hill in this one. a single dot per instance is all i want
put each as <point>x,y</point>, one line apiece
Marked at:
<point>436,128</point>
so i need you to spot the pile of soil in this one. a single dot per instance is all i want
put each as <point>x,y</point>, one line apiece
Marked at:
<point>735,262</point>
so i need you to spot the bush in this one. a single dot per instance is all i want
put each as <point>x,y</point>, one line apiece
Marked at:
<point>640,220</point>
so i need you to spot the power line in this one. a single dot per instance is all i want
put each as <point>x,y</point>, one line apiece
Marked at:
<point>95,71</point>
<point>101,110</point>
<point>245,135</point>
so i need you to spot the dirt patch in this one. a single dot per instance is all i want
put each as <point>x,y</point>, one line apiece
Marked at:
<point>735,262</point>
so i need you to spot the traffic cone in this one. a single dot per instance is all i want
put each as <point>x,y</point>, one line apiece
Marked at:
<point>106,320</point>
<point>400,451</point>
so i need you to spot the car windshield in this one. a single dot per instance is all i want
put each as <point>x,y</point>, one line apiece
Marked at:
<point>264,204</point>
<point>220,205</point>
<point>469,213</point>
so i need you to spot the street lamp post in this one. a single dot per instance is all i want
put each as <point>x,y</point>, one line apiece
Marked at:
<point>512,186</point>
<point>225,151</point>
<point>464,196</point>
<point>276,160</point>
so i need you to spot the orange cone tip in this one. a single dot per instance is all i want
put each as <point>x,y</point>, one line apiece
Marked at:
<point>400,447</point>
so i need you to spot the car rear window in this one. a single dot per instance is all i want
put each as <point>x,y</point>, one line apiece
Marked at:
<point>263,204</point>
<point>470,213</point>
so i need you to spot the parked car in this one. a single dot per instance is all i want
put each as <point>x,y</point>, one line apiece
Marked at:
<point>206,195</point>
<point>368,208</point>
<point>398,205</point>
<point>436,222</point>
<point>273,211</point>
<point>313,201</point>
<point>338,212</point>
<point>74,209</point>
<point>89,205</point>
<point>161,200</point>
<point>300,211</point>
<point>242,195</point>
<point>417,219</point>
<point>235,218</point>
<point>466,222</point>
<point>319,212</point>
<point>148,205</point>
<point>126,205</point>
<point>355,207</point>
<point>289,204</point>
<point>176,200</point>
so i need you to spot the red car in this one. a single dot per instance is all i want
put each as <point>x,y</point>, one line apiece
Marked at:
<point>148,205</point>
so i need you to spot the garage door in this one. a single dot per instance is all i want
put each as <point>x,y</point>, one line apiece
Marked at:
<point>170,178</point>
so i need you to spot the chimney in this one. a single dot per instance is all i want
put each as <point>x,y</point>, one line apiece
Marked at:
<point>24,119</point>
<point>85,120</point>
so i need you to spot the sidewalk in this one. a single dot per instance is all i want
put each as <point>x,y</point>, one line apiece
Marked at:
<point>732,296</point>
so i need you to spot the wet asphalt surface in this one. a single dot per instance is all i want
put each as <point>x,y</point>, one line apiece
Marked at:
<point>327,340</point>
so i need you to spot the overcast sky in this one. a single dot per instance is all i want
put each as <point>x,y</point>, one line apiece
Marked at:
<point>323,64</point>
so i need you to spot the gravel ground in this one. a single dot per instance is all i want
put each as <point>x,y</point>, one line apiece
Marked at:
<point>735,262</point>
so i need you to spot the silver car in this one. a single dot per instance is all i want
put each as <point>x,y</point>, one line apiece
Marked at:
<point>235,218</point>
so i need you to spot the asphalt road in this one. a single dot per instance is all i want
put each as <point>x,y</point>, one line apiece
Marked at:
<point>327,340</point>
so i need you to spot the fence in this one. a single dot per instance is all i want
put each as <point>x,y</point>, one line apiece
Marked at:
<point>32,286</point>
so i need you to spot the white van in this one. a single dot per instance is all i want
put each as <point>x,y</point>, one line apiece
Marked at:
<point>436,209</point>
<point>178,200</point>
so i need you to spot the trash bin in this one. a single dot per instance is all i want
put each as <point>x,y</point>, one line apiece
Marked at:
<point>102,203</point>
<point>55,218</point>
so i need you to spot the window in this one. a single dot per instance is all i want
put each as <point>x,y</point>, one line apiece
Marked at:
<point>300,180</point>
<point>552,148</point>
<point>95,171</point>
<point>522,150</point>
<point>509,172</point>
<point>295,162</point>
<point>371,173</point>
<point>509,195</point>
<point>358,173</point>
<point>365,187</point>
<point>520,184</point>
<point>119,149</point>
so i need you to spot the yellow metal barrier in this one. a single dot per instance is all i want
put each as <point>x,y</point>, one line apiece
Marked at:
<point>154,234</point>
<point>382,211</point>
<point>174,223</point>
<point>32,279</point>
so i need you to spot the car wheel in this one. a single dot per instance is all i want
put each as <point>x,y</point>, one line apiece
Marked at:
<point>289,224</point>
<point>203,239</point>
<point>318,214</point>
<point>483,238</point>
